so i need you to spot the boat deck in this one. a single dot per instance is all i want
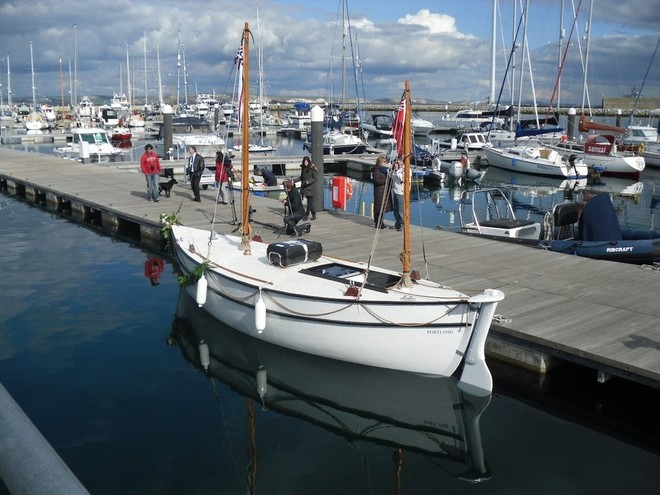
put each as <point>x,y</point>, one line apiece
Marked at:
<point>600,314</point>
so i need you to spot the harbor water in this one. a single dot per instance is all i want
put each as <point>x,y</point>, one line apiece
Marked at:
<point>140,393</point>
<point>106,361</point>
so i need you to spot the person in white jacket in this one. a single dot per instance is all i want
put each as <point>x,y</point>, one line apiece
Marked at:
<point>397,193</point>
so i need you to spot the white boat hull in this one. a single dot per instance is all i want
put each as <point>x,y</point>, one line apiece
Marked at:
<point>616,164</point>
<point>424,329</point>
<point>529,160</point>
<point>652,155</point>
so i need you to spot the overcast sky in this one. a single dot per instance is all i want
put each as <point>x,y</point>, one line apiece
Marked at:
<point>441,46</point>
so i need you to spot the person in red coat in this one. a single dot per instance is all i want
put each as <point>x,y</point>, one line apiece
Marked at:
<point>150,166</point>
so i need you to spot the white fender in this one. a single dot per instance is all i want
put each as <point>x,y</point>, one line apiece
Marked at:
<point>260,314</point>
<point>202,288</point>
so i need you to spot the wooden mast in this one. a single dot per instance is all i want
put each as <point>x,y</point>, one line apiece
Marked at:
<point>245,165</point>
<point>407,151</point>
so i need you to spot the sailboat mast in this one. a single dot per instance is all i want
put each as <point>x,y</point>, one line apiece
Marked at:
<point>245,152</point>
<point>185,76</point>
<point>8,83</point>
<point>493,54</point>
<point>407,151</point>
<point>128,77</point>
<point>562,33</point>
<point>61,85</point>
<point>74,97</point>
<point>146,97</point>
<point>160,80</point>
<point>343,55</point>
<point>34,89</point>
<point>178,73</point>
<point>585,91</point>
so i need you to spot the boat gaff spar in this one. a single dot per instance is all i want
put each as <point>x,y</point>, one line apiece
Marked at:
<point>291,294</point>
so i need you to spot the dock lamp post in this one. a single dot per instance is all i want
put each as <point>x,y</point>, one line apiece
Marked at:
<point>316,114</point>
<point>167,131</point>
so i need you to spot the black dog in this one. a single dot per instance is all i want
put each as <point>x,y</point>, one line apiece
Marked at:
<point>167,186</point>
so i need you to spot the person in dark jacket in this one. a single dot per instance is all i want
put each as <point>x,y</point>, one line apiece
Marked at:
<point>294,207</point>
<point>195,167</point>
<point>269,177</point>
<point>308,178</point>
<point>382,197</point>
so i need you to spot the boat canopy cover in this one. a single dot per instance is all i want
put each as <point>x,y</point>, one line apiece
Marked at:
<point>598,221</point>
<point>520,131</point>
<point>506,112</point>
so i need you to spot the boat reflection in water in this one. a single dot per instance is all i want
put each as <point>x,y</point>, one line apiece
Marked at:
<point>407,412</point>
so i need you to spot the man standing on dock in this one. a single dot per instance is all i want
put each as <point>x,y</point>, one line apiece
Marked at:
<point>150,166</point>
<point>196,167</point>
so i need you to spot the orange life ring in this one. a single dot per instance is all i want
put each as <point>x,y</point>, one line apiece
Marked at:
<point>349,189</point>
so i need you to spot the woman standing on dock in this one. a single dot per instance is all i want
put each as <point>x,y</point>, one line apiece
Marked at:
<point>308,178</point>
<point>150,166</point>
<point>382,198</point>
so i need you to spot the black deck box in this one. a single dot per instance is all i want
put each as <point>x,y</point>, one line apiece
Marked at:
<point>293,252</point>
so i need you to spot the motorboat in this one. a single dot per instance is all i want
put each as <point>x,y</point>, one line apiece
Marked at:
<point>421,127</point>
<point>378,125</point>
<point>300,116</point>
<point>488,212</point>
<point>190,131</point>
<point>468,140</point>
<point>119,103</point>
<point>338,142</point>
<point>291,294</point>
<point>651,154</point>
<point>120,133</point>
<point>255,148</point>
<point>49,113</point>
<point>593,233</point>
<point>467,119</point>
<point>135,120</point>
<point>88,143</point>
<point>35,121</point>
<point>85,108</point>
<point>108,116</point>
<point>596,233</point>
<point>646,142</point>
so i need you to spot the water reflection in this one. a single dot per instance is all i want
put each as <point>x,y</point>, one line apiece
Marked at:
<point>402,411</point>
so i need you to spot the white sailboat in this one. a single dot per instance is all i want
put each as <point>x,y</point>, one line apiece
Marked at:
<point>34,121</point>
<point>326,306</point>
<point>341,135</point>
<point>256,108</point>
